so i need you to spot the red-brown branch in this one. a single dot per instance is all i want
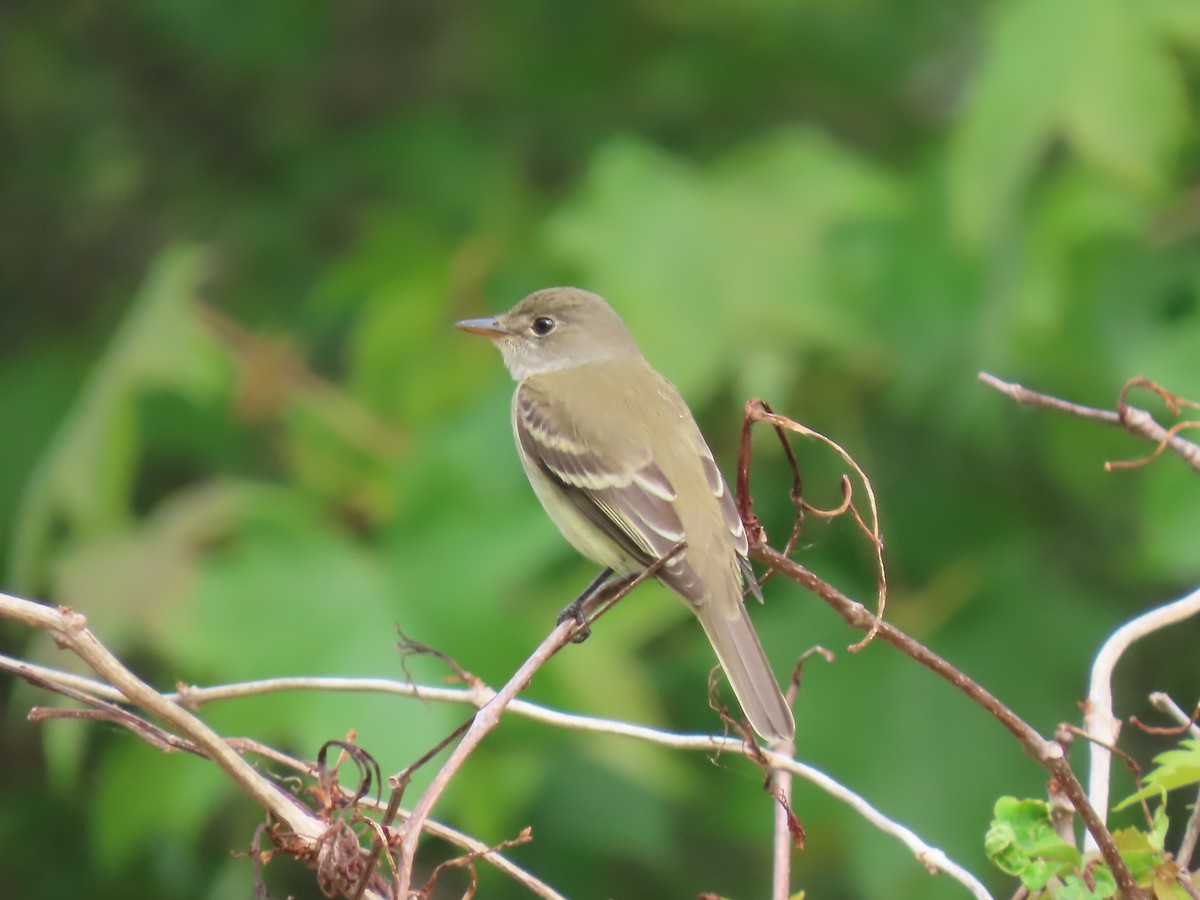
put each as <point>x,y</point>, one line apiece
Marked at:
<point>1049,754</point>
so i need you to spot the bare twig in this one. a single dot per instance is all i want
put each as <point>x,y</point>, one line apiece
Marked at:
<point>757,410</point>
<point>88,690</point>
<point>485,720</point>
<point>1131,765</point>
<point>102,710</point>
<point>1101,725</point>
<point>488,717</point>
<point>1098,720</point>
<point>399,784</point>
<point>153,735</point>
<point>69,630</point>
<point>1136,421</point>
<point>467,862</point>
<point>784,840</point>
<point>1191,834</point>
<point>1164,704</point>
<point>492,855</point>
<point>1062,813</point>
<point>1048,753</point>
<point>1188,845</point>
<point>931,857</point>
<point>308,834</point>
<point>785,836</point>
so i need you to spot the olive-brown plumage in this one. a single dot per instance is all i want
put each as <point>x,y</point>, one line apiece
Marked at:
<point>615,457</point>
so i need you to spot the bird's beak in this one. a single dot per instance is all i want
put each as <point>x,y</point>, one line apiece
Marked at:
<point>489,328</point>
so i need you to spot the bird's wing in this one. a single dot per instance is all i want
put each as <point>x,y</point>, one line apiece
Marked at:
<point>733,519</point>
<point>626,495</point>
<point>716,484</point>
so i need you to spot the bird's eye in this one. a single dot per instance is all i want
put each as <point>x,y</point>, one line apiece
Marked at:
<point>543,325</point>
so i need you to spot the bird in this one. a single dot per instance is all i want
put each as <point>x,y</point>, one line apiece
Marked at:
<point>616,458</point>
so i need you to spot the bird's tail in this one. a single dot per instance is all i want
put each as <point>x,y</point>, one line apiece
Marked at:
<point>741,656</point>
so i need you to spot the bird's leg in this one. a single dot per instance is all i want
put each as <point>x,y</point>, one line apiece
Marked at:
<point>607,590</point>
<point>578,608</point>
<point>602,586</point>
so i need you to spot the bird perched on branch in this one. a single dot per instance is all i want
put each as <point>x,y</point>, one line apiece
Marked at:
<point>617,460</point>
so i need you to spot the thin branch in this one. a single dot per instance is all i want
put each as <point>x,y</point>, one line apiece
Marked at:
<point>148,732</point>
<point>784,836</point>
<point>467,862</point>
<point>1026,397</point>
<point>1163,703</point>
<point>69,631</point>
<point>1048,753</point>
<point>102,710</point>
<point>88,690</point>
<point>931,858</point>
<point>488,717</point>
<point>483,851</point>
<point>782,843</point>
<point>1098,720</point>
<point>485,720</point>
<point>1187,846</point>
<point>757,410</point>
<point>1136,421</point>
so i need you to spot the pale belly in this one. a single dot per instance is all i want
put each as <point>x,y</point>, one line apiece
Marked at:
<point>575,527</point>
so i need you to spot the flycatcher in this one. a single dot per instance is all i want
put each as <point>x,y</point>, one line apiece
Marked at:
<point>615,457</point>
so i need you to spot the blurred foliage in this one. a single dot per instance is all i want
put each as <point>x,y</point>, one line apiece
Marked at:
<point>244,440</point>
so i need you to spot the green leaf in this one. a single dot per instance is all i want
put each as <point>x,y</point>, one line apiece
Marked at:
<point>1106,884</point>
<point>1021,841</point>
<point>1148,861</point>
<point>1139,851</point>
<point>1174,769</point>
<point>1161,824</point>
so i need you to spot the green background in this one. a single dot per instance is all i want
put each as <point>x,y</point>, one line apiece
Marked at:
<point>243,438</point>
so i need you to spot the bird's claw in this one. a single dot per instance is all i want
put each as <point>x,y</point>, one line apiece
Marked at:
<point>574,612</point>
